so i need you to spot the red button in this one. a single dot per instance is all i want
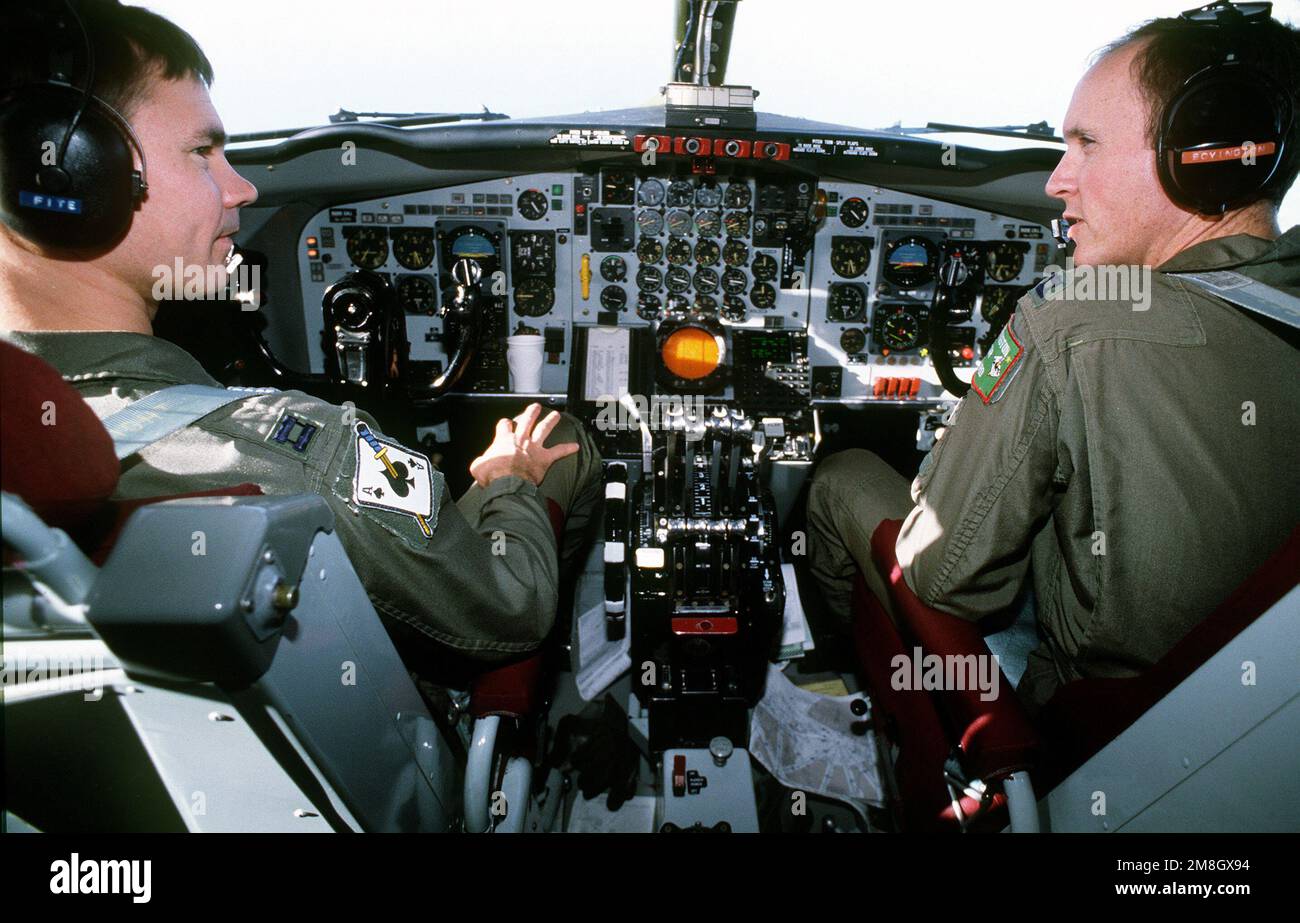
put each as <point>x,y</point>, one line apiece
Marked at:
<point>679,775</point>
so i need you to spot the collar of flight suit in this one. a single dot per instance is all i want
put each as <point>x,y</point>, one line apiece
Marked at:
<point>109,355</point>
<point>1234,251</point>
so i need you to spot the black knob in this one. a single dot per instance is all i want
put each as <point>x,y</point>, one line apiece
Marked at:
<point>858,707</point>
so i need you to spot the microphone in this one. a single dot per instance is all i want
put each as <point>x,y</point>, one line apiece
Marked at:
<point>1061,231</point>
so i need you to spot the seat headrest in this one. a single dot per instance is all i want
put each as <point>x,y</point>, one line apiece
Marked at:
<point>57,455</point>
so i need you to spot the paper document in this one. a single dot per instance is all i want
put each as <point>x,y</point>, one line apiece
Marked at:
<point>608,349</point>
<point>796,636</point>
<point>601,661</point>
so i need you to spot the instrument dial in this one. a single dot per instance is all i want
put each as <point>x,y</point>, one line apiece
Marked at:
<point>651,192</point>
<point>613,268</point>
<point>707,253</point>
<point>534,297</point>
<point>651,223</point>
<point>679,223</point>
<point>617,188</point>
<point>708,224</point>
<point>416,295</point>
<point>532,204</point>
<point>472,242</point>
<point>413,247</point>
<point>734,281</point>
<point>649,250</point>
<point>737,224</point>
<point>910,261</point>
<point>847,303</point>
<point>853,341</point>
<point>648,306</point>
<point>680,192</point>
<point>735,252</point>
<point>1004,260</point>
<point>999,302</point>
<point>708,196</point>
<point>733,308</point>
<point>764,268</point>
<point>896,327</point>
<point>853,212</point>
<point>705,305</point>
<point>649,279</point>
<point>677,304</point>
<point>705,281</point>
<point>613,298</point>
<point>763,296</point>
<point>533,253</point>
<point>368,247</point>
<point>678,279</point>
<point>679,251</point>
<point>850,256</point>
<point>737,196</point>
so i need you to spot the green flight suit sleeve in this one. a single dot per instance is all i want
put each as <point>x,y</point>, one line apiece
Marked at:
<point>487,588</point>
<point>986,488</point>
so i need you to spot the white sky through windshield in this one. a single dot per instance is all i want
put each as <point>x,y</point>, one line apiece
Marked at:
<point>867,64</point>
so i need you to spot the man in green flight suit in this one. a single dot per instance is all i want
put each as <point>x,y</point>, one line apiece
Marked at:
<point>1132,449</point>
<point>478,576</point>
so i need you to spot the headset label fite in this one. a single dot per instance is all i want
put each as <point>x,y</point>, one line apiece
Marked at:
<point>1220,154</point>
<point>49,203</point>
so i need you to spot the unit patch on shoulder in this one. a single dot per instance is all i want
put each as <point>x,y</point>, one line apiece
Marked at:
<point>996,368</point>
<point>390,477</point>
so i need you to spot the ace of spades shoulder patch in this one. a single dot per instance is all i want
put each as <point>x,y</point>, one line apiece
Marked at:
<point>391,477</point>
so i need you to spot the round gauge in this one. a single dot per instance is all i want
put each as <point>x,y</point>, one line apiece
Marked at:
<point>533,253</point>
<point>910,261</point>
<point>707,253</point>
<point>413,247</point>
<point>737,195</point>
<point>850,256</point>
<point>1004,260</point>
<point>651,223</point>
<point>704,304</point>
<point>651,192</point>
<point>961,303</point>
<point>368,247</point>
<point>999,301</point>
<point>416,294</point>
<point>617,188</point>
<point>649,279</point>
<point>705,281</point>
<point>613,268</point>
<point>678,304</point>
<point>763,296</point>
<point>733,308</point>
<point>532,204</point>
<point>709,224</point>
<point>679,223</point>
<point>853,212</point>
<point>471,242</point>
<point>853,341</point>
<point>613,298</point>
<point>735,252</point>
<point>708,196</point>
<point>734,281</point>
<point>649,250</point>
<point>678,279</point>
<point>896,327</point>
<point>846,304</point>
<point>648,306</point>
<point>679,251</point>
<point>737,224</point>
<point>534,297</point>
<point>680,192</point>
<point>764,268</point>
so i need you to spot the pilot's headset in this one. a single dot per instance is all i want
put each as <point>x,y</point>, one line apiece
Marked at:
<point>67,175</point>
<point>1223,139</point>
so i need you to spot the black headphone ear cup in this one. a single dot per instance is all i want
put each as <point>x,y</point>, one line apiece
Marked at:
<point>1202,154</point>
<point>85,202</point>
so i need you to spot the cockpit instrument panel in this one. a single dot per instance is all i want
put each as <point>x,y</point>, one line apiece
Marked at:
<point>854,269</point>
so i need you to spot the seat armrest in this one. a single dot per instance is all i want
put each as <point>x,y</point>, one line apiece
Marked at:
<point>994,731</point>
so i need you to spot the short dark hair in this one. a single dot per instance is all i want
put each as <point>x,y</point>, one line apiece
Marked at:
<point>1172,49</point>
<point>132,46</point>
